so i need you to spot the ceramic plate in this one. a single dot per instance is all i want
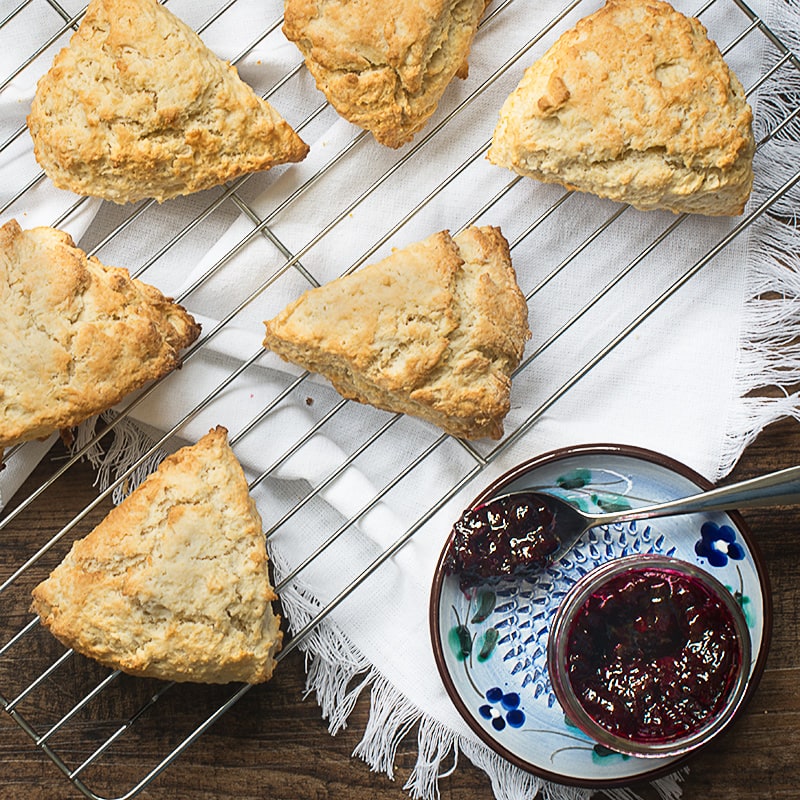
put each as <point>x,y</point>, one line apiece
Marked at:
<point>490,643</point>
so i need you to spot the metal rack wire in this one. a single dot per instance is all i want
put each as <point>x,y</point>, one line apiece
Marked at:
<point>55,731</point>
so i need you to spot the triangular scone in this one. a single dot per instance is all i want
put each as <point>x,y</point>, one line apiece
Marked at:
<point>173,583</point>
<point>75,336</point>
<point>635,104</point>
<point>138,107</point>
<point>434,330</point>
<point>384,67</point>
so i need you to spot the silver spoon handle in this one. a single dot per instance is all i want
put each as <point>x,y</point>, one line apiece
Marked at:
<point>774,489</point>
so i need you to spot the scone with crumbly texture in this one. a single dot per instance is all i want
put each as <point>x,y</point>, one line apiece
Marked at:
<point>136,106</point>
<point>434,330</point>
<point>636,104</point>
<point>173,583</point>
<point>76,336</point>
<point>382,67</point>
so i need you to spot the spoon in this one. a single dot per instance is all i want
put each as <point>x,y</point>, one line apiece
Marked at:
<point>525,530</point>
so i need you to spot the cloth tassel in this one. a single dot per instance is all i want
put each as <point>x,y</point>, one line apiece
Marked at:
<point>769,353</point>
<point>336,673</point>
<point>391,719</point>
<point>437,747</point>
<point>127,444</point>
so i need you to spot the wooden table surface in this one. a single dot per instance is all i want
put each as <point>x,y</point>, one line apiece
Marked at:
<point>273,742</point>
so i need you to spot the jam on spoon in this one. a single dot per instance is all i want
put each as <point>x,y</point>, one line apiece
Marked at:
<point>508,537</point>
<point>478,537</point>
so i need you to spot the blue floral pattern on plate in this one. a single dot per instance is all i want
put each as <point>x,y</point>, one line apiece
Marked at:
<point>493,639</point>
<point>502,709</point>
<point>717,543</point>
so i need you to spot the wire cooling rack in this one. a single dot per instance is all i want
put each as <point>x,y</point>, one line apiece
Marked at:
<point>86,687</point>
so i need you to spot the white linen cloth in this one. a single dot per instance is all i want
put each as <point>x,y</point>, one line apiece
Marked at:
<point>682,383</point>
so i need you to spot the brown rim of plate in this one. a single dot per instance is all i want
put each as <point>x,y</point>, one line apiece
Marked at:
<point>493,489</point>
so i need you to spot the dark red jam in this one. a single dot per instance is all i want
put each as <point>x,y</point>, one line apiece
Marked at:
<point>511,537</point>
<point>652,655</point>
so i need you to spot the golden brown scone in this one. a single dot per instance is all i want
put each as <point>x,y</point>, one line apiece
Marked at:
<point>434,330</point>
<point>137,106</point>
<point>173,583</point>
<point>635,104</point>
<point>384,68</point>
<point>75,336</point>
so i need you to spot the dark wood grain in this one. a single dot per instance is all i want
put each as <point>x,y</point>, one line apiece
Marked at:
<point>273,742</point>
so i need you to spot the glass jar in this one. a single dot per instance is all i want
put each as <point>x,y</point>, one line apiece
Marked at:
<point>649,655</point>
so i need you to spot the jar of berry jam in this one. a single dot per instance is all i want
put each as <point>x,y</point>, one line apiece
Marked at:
<point>649,655</point>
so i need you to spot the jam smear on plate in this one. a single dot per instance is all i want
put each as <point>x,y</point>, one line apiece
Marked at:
<point>508,537</point>
<point>652,655</point>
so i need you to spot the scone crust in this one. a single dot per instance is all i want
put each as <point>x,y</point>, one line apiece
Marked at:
<point>76,336</point>
<point>434,330</point>
<point>385,72</point>
<point>173,583</point>
<point>136,106</point>
<point>636,104</point>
